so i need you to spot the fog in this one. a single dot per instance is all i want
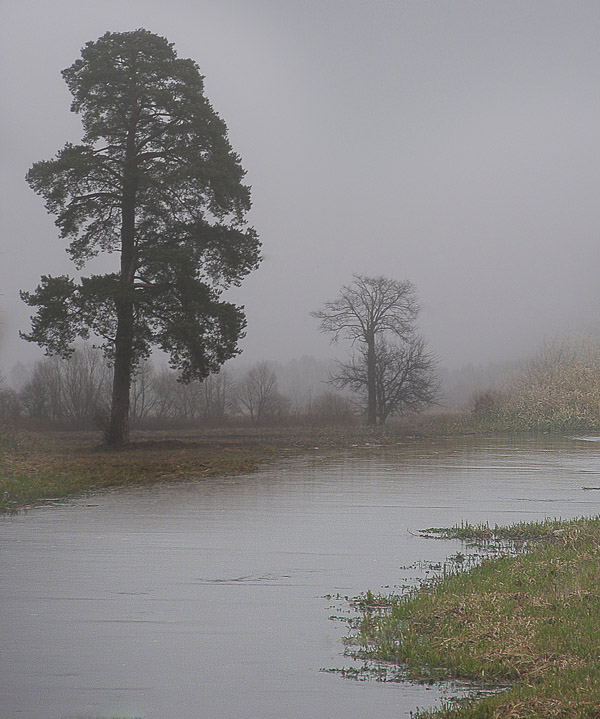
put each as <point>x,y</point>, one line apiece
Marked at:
<point>455,144</point>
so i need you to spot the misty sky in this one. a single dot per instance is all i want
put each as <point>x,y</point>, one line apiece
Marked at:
<point>455,144</point>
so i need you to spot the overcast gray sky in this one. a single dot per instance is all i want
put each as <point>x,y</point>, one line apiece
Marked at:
<point>455,144</point>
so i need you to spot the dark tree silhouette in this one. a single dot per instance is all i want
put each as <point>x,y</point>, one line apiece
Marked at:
<point>156,182</point>
<point>405,377</point>
<point>367,311</point>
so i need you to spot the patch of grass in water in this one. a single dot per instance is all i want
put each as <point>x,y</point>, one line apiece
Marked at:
<point>483,534</point>
<point>531,620</point>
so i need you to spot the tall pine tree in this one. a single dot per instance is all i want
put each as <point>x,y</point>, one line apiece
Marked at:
<point>156,182</point>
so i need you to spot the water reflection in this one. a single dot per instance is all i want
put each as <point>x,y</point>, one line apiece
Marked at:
<point>208,599</point>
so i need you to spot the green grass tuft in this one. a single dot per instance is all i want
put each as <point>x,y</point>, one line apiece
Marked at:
<point>531,620</point>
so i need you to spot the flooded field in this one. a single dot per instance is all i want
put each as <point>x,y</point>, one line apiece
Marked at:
<point>213,598</point>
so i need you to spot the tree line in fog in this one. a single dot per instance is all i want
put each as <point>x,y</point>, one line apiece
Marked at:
<point>76,392</point>
<point>390,372</point>
<point>558,387</point>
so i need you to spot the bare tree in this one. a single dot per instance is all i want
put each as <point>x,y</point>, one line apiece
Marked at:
<point>142,397</point>
<point>85,384</point>
<point>174,401</point>
<point>257,392</point>
<point>217,397</point>
<point>208,401</point>
<point>164,390</point>
<point>70,390</point>
<point>367,311</point>
<point>41,393</point>
<point>405,377</point>
<point>10,403</point>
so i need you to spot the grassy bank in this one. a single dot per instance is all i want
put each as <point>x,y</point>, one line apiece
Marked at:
<point>530,621</point>
<point>38,466</point>
<point>42,466</point>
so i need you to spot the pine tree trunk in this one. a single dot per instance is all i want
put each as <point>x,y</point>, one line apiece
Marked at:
<point>118,431</point>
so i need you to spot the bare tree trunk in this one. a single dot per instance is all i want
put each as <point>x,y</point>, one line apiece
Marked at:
<point>371,381</point>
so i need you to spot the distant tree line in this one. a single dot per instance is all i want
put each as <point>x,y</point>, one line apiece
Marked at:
<point>391,372</point>
<point>76,392</point>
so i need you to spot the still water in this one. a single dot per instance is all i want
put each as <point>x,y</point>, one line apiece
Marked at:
<point>210,599</point>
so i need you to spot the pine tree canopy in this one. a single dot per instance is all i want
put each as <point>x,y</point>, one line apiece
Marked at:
<point>156,182</point>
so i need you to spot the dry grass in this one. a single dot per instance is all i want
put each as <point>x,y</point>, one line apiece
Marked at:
<point>557,390</point>
<point>37,466</point>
